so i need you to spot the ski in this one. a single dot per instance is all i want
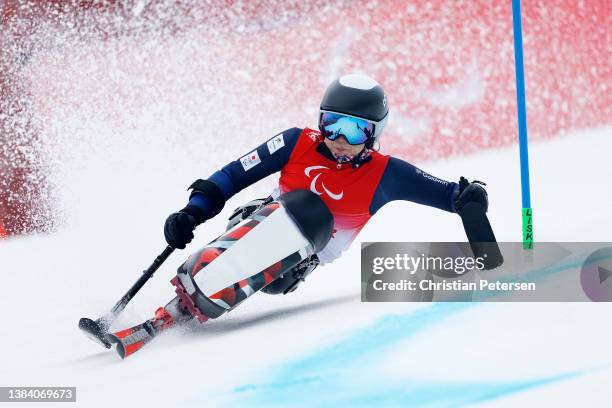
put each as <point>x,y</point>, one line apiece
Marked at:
<point>130,340</point>
<point>191,302</point>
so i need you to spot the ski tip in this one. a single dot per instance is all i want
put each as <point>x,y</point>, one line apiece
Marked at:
<point>94,331</point>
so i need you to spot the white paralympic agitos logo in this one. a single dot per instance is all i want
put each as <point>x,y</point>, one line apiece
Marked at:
<point>313,183</point>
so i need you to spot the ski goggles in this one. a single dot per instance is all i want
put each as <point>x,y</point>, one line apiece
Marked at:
<point>356,131</point>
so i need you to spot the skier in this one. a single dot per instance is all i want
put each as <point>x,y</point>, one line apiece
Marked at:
<point>337,164</point>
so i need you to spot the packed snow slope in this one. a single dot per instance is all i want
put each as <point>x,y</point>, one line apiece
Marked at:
<point>319,346</point>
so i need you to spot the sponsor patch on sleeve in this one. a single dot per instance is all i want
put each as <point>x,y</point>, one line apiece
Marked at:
<point>276,143</point>
<point>250,160</point>
<point>430,177</point>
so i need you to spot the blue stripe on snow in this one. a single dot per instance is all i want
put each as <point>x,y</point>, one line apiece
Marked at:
<point>343,374</point>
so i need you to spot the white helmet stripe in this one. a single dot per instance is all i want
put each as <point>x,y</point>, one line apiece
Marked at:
<point>358,81</point>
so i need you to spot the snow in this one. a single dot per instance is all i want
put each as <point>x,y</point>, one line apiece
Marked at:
<point>121,144</point>
<point>113,231</point>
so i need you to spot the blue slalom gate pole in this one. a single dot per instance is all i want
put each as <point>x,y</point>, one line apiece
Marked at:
<point>527,212</point>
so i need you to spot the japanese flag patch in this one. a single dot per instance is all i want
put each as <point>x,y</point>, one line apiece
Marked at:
<point>276,143</point>
<point>250,160</point>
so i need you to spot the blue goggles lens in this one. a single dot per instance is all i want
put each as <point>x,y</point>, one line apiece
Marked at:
<point>355,131</point>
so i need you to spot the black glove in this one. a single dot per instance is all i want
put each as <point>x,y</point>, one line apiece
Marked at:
<point>471,192</point>
<point>476,223</point>
<point>178,229</point>
<point>179,226</point>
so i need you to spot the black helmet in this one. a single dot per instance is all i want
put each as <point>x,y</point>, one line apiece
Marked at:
<point>359,96</point>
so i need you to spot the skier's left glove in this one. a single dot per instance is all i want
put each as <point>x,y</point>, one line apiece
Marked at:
<point>471,192</point>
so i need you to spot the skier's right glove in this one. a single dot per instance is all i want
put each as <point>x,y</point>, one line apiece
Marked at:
<point>178,229</point>
<point>206,201</point>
